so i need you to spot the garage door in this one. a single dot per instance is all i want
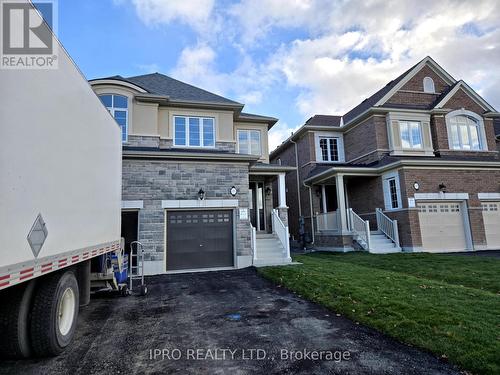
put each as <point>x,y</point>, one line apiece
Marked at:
<point>199,239</point>
<point>442,226</point>
<point>491,218</point>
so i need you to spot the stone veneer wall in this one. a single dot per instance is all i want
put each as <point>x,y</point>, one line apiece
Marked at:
<point>155,180</point>
<point>163,143</point>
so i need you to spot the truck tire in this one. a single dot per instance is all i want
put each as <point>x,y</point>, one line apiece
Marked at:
<point>54,314</point>
<point>14,323</point>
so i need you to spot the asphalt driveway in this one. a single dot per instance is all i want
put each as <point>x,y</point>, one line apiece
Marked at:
<point>230,322</point>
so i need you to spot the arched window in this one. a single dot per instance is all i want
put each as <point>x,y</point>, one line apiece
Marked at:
<point>465,133</point>
<point>117,105</point>
<point>429,85</point>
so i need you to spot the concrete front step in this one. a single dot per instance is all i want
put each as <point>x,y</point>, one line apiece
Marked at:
<point>265,235</point>
<point>271,262</point>
<point>385,251</point>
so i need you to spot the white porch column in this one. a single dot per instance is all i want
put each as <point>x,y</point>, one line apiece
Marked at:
<point>339,180</point>
<point>281,190</point>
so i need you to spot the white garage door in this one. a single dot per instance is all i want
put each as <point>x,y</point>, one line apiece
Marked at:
<point>491,218</point>
<point>442,226</point>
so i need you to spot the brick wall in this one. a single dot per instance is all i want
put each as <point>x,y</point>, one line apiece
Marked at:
<point>440,134</point>
<point>416,83</point>
<point>365,139</point>
<point>456,181</point>
<point>420,99</point>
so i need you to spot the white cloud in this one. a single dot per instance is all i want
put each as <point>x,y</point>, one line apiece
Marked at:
<point>339,68</point>
<point>191,12</point>
<point>349,49</point>
<point>279,133</point>
<point>247,83</point>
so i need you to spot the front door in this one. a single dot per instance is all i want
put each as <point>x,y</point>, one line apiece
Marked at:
<point>256,202</point>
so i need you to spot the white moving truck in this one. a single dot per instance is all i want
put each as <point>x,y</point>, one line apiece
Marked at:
<point>60,202</point>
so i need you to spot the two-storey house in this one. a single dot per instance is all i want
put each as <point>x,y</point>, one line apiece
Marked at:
<point>414,167</point>
<point>197,183</point>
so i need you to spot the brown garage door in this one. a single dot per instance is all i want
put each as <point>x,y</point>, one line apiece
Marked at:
<point>199,239</point>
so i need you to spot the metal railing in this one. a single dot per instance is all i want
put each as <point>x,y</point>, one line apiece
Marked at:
<point>387,226</point>
<point>328,221</point>
<point>253,241</point>
<point>360,227</point>
<point>281,230</point>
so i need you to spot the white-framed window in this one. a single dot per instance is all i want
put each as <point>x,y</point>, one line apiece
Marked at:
<point>117,105</point>
<point>411,134</point>
<point>429,85</point>
<point>464,133</point>
<point>329,148</point>
<point>191,131</point>
<point>392,191</point>
<point>249,142</point>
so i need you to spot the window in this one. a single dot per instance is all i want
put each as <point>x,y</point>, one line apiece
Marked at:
<point>411,134</point>
<point>429,85</point>
<point>117,105</point>
<point>194,131</point>
<point>392,191</point>
<point>249,142</point>
<point>464,133</point>
<point>329,149</point>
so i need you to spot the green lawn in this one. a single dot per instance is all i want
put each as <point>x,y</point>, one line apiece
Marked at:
<point>449,305</point>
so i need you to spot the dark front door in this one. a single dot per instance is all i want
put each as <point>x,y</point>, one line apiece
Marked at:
<point>199,239</point>
<point>257,205</point>
<point>130,226</point>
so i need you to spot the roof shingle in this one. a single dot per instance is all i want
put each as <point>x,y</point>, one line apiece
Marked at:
<point>160,84</point>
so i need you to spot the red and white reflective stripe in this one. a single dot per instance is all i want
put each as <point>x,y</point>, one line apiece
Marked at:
<point>28,272</point>
<point>4,280</point>
<point>46,267</point>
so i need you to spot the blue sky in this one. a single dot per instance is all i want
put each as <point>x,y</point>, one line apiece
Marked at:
<point>285,58</point>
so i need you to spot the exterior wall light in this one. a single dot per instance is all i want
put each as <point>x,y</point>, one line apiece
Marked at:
<point>442,187</point>
<point>201,194</point>
<point>233,191</point>
<point>416,185</point>
<point>268,191</point>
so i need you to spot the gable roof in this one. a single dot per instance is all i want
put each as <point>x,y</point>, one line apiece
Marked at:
<point>386,92</point>
<point>372,100</point>
<point>469,91</point>
<point>324,120</point>
<point>175,90</point>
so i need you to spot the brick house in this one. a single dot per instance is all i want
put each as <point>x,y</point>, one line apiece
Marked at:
<point>196,179</point>
<point>414,167</point>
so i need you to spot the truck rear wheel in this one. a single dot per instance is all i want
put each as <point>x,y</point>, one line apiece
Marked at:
<point>54,314</point>
<point>14,325</point>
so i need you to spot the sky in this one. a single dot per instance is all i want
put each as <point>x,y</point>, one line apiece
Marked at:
<point>288,59</point>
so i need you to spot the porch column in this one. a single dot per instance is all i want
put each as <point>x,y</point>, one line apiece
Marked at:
<point>281,191</point>
<point>339,180</point>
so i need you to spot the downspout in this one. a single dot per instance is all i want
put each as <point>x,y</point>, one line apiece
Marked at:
<point>297,175</point>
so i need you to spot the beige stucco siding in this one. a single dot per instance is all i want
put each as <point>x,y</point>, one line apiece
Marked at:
<point>263,136</point>
<point>144,119</point>
<point>223,121</point>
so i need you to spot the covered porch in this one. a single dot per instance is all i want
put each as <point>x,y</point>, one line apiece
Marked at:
<point>347,212</point>
<point>268,213</point>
